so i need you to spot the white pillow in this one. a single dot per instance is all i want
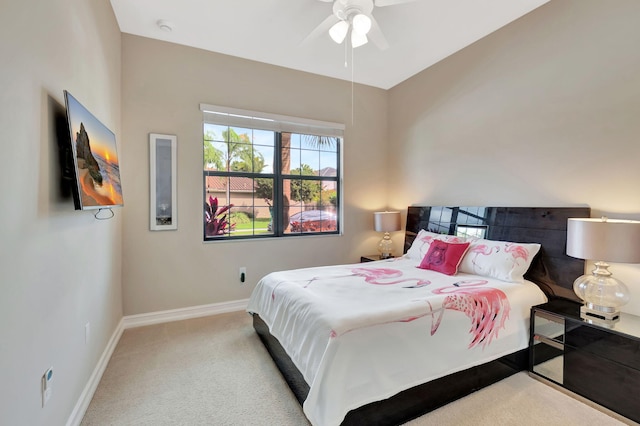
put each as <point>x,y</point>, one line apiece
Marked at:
<point>503,260</point>
<point>421,244</point>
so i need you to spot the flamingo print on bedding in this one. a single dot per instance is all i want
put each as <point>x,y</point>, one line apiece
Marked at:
<point>399,315</point>
<point>377,276</point>
<point>486,307</point>
<point>505,261</point>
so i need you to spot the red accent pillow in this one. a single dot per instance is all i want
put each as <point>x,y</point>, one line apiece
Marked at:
<point>444,257</point>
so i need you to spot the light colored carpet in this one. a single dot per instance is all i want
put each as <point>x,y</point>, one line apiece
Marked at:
<point>215,371</point>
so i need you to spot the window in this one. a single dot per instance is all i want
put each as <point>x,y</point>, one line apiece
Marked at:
<point>269,176</point>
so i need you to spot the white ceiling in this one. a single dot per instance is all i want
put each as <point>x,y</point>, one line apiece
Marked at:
<point>420,33</point>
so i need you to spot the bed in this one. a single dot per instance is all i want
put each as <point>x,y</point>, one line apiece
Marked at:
<point>351,358</point>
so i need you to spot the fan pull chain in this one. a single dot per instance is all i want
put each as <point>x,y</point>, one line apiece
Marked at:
<point>353,62</point>
<point>346,53</point>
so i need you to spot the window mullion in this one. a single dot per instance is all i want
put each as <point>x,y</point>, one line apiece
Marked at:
<point>277,187</point>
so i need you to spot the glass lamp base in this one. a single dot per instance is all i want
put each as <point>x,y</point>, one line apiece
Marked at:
<point>602,294</point>
<point>593,315</point>
<point>385,247</point>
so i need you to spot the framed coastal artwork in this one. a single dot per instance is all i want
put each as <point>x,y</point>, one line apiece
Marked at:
<point>163,209</point>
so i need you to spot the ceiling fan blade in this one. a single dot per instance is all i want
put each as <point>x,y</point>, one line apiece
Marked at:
<point>321,29</point>
<point>376,36</point>
<point>382,3</point>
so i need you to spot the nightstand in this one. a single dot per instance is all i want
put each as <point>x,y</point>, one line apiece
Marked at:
<point>598,363</point>
<point>369,258</point>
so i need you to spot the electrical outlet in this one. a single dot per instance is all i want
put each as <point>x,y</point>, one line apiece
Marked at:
<point>87,332</point>
<point>243,274</point>
<point>47,389</point>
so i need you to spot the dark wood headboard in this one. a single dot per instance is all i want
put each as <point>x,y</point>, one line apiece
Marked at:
<point>551,269</point>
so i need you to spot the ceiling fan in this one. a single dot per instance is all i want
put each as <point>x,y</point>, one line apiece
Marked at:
<point>354,16</point>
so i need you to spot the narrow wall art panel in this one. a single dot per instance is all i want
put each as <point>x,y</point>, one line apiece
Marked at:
<point>163,207</point>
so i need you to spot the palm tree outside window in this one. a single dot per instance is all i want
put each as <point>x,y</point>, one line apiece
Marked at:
<point>269,178</point>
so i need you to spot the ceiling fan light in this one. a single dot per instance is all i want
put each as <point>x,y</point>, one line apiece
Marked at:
<point>358,39</point>
<point>338,31</point>
<point>361,23</point>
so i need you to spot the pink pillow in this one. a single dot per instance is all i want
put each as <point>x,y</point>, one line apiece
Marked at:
<point>444,257</point>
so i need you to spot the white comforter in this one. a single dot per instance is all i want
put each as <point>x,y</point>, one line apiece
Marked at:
<point>364,332</point>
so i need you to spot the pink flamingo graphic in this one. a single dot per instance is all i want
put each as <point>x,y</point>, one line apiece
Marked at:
<point>487,308</point>
<point>484,249</point>
<point>377,275</point>
<point>517,251</point>
<point>481,249</point>
<point>428,239</point>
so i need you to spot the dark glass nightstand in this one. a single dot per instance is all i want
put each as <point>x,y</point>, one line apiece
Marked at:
<point>369,258</point>
<point>372,258</point>
<point>598,363</point>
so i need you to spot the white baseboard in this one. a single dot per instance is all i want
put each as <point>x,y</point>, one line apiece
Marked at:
<point>87,393</point>
<point>131,321</point>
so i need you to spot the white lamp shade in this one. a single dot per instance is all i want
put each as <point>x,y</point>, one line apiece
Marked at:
<point>361,23</point>
<point>338,31</point>
<point>386,221</point>
<point>608,240</point>
<point>358,39</point>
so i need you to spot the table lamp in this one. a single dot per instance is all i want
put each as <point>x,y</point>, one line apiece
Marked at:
<point>386,222</point>
<point>603,240</point>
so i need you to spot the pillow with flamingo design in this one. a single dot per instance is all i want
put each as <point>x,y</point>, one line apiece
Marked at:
<point>444,257</point>
<point>421,244</point>
<point>503,260</point>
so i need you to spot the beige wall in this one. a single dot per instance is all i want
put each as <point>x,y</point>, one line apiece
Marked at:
<point>515,119</point>
<point>59,268</point>
<point>543,112</point>
<point>163,85</point>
